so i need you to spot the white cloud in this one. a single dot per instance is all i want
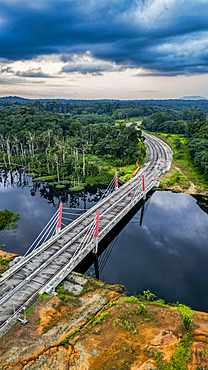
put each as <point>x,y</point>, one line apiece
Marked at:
<point>173,202</point>
<point>87,64</point>
<point>154,10</point>
<point>184,46</point>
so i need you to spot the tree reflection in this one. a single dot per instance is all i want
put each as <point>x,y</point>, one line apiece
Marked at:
<point>72,199</point>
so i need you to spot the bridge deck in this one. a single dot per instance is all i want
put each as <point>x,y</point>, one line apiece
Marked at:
<point>45,268</point>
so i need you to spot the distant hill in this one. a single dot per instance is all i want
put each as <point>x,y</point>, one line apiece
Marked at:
<point>193,97</point>
<point>75,101</point>
<point>14,98</point>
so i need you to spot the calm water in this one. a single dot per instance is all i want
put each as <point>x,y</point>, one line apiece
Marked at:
<point>36,203</point>
<point>168,254</point>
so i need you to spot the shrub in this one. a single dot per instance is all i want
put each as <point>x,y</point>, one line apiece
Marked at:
<point>8,219</point>
<point>187,322</point>
<point>141,310</point>
<point>63,297</point>
<point>132,299</point>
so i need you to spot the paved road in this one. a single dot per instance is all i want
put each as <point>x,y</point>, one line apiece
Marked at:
<point>37,270</point>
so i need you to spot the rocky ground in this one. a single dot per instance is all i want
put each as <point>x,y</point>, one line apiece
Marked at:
<point>92,325</point>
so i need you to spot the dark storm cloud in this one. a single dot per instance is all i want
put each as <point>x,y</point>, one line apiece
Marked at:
<point>164,37</point>
<point>33,73</point>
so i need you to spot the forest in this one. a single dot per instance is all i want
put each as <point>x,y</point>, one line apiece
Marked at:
<point>193,124</point>
<point>66,142</point>
<point>62,147</point>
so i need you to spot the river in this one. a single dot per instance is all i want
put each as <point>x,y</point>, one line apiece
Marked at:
<point>167,254</point>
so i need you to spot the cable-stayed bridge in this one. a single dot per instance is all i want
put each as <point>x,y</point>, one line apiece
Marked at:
<point>51,258</point>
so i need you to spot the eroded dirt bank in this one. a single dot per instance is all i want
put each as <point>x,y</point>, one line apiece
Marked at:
<point>103,329</point>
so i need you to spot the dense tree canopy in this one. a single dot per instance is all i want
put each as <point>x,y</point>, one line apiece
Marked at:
<point>54,137</point>
<point>194,125</point>
<point>55,144</point>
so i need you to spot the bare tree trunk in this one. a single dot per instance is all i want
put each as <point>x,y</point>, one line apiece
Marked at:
<point>8,150</point>
<point>32,139</point>
<point>64,157</point>
<point>4,160</point>
<point>57,166</point>
<point>75,160</point>
<point>30,149</point>
<point>25,156</point>
<point>22,153</point>
<point>2,141</point>
<point>64,152</point>
<point>16,145</point>
<point>83,151</point>
<point>48,167</point>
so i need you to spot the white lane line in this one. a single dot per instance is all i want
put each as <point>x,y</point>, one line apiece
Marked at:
<point>21,296</point>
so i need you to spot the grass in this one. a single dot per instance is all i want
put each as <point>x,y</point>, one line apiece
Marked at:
<point>132,119</point>
<point>48,327</point>
<point>41,298</point>
<point>103,316</point>
<point>132,299</point>
<point>59,186</point>
<point>182,158</point>
<point>32,174</point>
<point>176,178</point>
<point>44,178</point>
<point>182,354</point>
<point>125,324</point>
<point>124,172</point>
<point>184,310</point>
<point>4,265</point>
<point>77,187</point>
<point>179,359</point>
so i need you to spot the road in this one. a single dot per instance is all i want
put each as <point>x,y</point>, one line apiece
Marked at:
<point>43,269</point>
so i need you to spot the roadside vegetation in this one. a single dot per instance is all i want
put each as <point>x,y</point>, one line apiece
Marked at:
<point>188,137</point>
<point>182,161</point>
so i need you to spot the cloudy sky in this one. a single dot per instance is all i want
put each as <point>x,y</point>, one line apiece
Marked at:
<point>93,49</point>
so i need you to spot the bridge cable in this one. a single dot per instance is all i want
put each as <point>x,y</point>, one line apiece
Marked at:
<point>55,214</point>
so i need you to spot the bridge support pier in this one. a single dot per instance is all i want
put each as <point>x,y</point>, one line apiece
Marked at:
<point>96,266</point>
<point>142,214</point>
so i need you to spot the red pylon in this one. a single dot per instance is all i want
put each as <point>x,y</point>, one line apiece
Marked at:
<point>96,231</point>
<point>116,181</point>
<point>58,227</point>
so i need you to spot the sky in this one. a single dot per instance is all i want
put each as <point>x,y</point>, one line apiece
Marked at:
<point>96,49</point>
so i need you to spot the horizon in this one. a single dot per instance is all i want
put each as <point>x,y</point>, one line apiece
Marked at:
<point>185,98</point>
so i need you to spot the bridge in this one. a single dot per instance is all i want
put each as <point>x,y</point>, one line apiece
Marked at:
<point>44,266</point>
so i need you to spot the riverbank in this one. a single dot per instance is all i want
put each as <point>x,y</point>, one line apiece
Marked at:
<point>183,176</point>
<point>5,258</point>
<point>91,325</point>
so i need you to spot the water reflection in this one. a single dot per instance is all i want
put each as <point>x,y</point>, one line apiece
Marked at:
<point>36,203</point>
<point>163,248</point>
<point>168,254</point>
